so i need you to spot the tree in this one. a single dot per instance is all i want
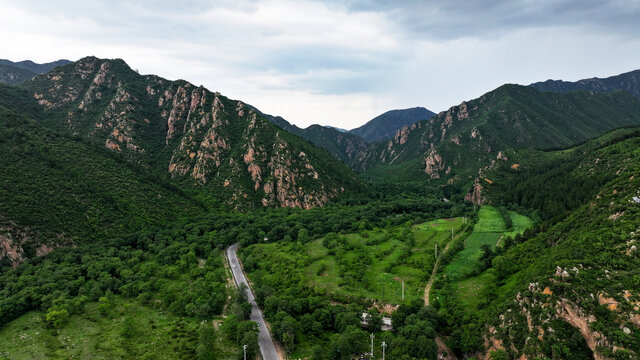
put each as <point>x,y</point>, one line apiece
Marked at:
<point>57,318</point>
<point>303,236</point>
<point>206,342</point>
<point>346,319</point>
<point>128,328</point>
<point>352,341</point>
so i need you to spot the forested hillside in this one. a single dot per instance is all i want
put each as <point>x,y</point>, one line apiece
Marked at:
<point>62,190</point>
<point>17,72</point>
<point>384,126</point>
<point>198,138</point>
<point>464,141</point>
<point>343,145</point>
<point>567,289</point>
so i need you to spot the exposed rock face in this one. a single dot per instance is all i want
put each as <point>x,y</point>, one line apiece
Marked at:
<point>539,307</point>
<point>429,134</point>
<point>433,164</point>
<point>402,135</point>
<point>188,131</point>
<point>475,195</point>
<point>14,240</point>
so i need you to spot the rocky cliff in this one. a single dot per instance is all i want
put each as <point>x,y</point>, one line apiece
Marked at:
<point>196,136</point>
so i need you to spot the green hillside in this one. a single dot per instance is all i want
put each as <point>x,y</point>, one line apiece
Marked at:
<point>14,75</point>
<point>629,82</point>
<point>343,145</point>
<point>463,141</point>
<point>221,148</point>
<point>60,189</point>
<point>385,126</point>
<point>571,283</point>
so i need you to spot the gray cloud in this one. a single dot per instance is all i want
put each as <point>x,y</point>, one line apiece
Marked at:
<point>450,19</point>
<point>336,62</point>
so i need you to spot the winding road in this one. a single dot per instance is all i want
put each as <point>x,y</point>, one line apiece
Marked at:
<point>267,347</point>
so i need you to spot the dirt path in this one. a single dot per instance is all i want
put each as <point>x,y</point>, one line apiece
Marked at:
<point>444,349</point>
<point>427,289</point>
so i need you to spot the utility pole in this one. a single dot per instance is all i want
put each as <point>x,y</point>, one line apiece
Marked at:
<point>451,234</point>
<point>436,251</point>
<point>244,348</point>
<point>384,346</point>
<point>372,337</point>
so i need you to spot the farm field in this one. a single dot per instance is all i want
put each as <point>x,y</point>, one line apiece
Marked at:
<point>463,270</point>
<point>371,264</point>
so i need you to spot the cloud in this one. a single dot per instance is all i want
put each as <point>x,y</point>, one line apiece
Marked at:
<point>336,62</point>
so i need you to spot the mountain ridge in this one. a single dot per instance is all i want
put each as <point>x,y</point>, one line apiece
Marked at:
<point>14,73</point>
<point>629,82</point>
<point>511,116</point>
<point>385,125</point>
<point>188,133</point>
<point>341,144</point>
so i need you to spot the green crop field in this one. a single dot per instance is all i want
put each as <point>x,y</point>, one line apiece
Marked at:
<point>489,220</point>
<point>520,224</point>
<point>470,290</point>
<point>464,266</point>
<point>464,262</point>
<point>371,264</point>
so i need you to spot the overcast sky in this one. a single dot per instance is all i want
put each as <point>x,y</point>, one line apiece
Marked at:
<point>337,62</point>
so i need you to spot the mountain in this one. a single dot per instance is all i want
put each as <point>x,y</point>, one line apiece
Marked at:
<point>629,82</point>
<point>34,67</point>
<point>343,145</point>
<point>337,128</point>
<point>458,144</point>
<point>384,126</point>
<point>572,285</point>
<point>14,75</point>
<point>62,190</point>
<point>220,148</point>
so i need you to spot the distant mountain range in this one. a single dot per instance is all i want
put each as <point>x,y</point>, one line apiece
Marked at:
<point>16,72</point>
<point>347,144</point>
<point>629,82</point>
<point>459,143</point>
<point>385,126</point>
<point>342,145</point>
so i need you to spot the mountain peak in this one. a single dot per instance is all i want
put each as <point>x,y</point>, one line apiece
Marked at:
<point>13,73</point>
<point>385,126</point>
<point>197,137</point>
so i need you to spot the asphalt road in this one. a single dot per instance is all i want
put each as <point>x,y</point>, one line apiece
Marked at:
<point>267,348</point>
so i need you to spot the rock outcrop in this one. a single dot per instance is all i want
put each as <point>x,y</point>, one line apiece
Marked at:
<point>191,133</point>
<point>14,240</point>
